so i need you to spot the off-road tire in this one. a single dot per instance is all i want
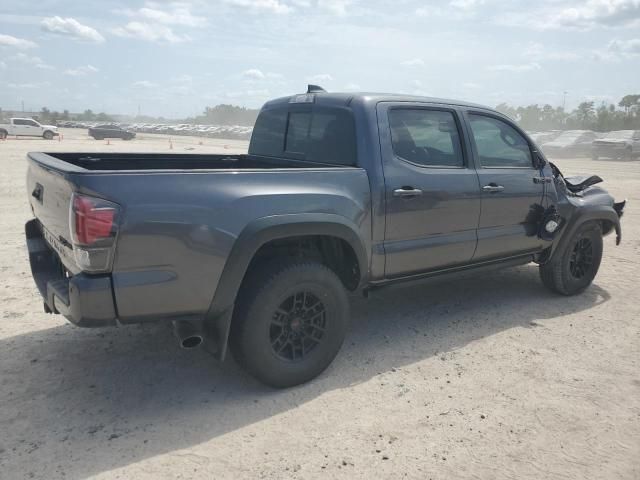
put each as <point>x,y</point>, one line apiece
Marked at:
<point>48,135</point>
<point>561,275</point>
<point>262,301</point>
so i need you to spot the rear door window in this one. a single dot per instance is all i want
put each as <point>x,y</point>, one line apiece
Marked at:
<point>425,137</point>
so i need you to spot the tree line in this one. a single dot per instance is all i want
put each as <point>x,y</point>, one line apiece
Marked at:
<point>586,116</point>
<point>226,115</point>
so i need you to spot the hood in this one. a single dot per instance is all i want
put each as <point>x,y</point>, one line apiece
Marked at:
<point>52,127</point>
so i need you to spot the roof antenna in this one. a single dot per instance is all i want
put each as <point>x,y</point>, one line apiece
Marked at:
<point>315,89</point>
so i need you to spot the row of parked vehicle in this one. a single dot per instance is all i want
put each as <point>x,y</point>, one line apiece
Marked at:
<point>620,144</point>
<point>128,131</point>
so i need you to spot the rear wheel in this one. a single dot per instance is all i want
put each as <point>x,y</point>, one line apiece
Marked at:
<point>3,134</point>
<point>290,321</point>
<point>628,154</point>
<point>573,269</point>
<point>48,135</point>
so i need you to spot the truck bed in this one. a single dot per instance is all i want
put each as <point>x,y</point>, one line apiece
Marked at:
<point>181,214</point>
<point>172,161</point>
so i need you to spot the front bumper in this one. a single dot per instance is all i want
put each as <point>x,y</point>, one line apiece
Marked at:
<point>85,300</point>
<point>613,150</point>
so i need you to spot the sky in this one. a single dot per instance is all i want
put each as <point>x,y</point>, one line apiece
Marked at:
<point>174,58</point>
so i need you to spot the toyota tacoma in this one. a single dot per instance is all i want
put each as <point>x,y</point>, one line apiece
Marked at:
<point>339,194</point>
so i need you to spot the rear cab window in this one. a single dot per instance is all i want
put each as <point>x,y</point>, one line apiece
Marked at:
<point>315,134</point>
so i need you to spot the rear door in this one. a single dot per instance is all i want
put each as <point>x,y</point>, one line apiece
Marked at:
<point>431,189</point>
<point>21,127</point>
<point>512,187</point>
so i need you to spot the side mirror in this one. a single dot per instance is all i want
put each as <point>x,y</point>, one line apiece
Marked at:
<point>538,159</point>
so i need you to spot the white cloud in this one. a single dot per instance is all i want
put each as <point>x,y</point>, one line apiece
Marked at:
<point>81,71</point>
<point>593,13</point>
<point>144,84</point>
<point>537,51</point>
<point>25,59</point>
<point>9,41</point>
<point>518,68</point>
<point>320,77</point>
<point>70,27</point>
<point>625,47</point>
<point>466,4</point>
<point>337,7</point>
<point>149,32</point>
<point>28,85</point>
<point>273,6</point>
<point>618,50</point>
<point>253,74</point>
<point>414,62</point>
<point>179,14</point>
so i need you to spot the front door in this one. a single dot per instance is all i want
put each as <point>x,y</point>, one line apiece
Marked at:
<point>431,189</point>
<point>512,188</point>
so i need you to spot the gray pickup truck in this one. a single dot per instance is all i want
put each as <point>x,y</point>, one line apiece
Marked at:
<point>339,194</point>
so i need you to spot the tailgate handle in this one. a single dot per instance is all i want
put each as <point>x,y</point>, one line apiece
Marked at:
<point>37,192</point>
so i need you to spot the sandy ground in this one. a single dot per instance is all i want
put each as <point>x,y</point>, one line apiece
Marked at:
<point>492,378</point>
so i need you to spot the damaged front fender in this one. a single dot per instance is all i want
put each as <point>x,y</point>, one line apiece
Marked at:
<point>579,201</point>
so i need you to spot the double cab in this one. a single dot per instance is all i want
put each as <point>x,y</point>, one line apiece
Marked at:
<point>339,194</point>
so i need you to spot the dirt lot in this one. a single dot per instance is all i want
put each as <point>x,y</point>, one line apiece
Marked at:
<point>485,378</point>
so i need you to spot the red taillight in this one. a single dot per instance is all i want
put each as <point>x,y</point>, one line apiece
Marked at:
<point>93,219</point>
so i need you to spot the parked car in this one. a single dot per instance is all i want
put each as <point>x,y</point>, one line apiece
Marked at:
<point>101,132</point>
<point>542,137</point>
<point>623,144</point>
<point>570,143</point>
<point>339,194</point>
<point>27,127</point>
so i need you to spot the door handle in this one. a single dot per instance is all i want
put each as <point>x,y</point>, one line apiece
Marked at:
<point>492,188</point>
<point>541,179</point>
<point>407,192</point>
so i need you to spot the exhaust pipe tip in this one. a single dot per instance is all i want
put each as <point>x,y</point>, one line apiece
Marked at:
<point>191,342</point>
<point>190,334</point>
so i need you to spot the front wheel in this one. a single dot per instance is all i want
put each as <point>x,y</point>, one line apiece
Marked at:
<point>3,134</point>
<point>290,321</point>
<point>47,135</point>
<point>574,268</point>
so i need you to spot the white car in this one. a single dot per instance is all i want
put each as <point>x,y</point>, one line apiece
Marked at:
<point>624,144</point>
<point>27,127</point>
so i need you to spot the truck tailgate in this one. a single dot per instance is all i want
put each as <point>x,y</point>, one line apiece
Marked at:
<point>49,193</point>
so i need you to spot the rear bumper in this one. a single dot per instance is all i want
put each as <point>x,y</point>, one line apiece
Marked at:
<point>85,300</point>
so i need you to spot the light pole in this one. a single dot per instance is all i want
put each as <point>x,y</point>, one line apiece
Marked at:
<point>564,99</point>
